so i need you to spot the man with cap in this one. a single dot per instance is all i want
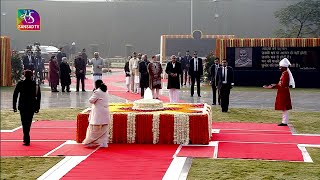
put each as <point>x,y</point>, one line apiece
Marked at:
<point>283,99</point>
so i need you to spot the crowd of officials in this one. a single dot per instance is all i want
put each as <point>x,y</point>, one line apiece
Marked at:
<point>140,73</point>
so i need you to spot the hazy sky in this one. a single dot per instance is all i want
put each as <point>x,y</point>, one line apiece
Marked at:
<point>114,24</point>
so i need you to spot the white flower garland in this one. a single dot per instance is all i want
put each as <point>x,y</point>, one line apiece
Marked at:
<point>207,110</point>
<point>181,129</point>
<point>155,127</point>
<point>131,128</point>
<point>181,126</point>
<point>111,128</point>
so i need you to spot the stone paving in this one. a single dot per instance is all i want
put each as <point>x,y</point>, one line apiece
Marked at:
<point>302,100</point>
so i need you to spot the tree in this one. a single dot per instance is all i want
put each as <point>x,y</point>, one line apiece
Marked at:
<point>299,20</point>
<point>17,68</point>
<point>208,63</point>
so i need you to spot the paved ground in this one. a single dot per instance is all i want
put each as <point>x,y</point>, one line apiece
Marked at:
<point>302,101</point>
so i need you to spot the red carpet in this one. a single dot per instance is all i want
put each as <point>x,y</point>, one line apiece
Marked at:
<point>196,151</point>
<point>249,126</point>
<point>259,141</point>
<point>283,152</point>
<point>125,161</point>
<point>89,84</point>
<point>231,131</point>
<point>36,148</point>
<point>122,92</point>
<point>54,123</point>
<point>266,138</point>
<point>116,90</point>
<point>72,150</point>
<point>42,134</point>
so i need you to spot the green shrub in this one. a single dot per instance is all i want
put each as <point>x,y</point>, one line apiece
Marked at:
<point>208,63</point>
<point>17,68</point>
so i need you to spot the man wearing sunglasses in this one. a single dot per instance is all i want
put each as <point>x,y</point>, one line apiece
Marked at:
<point>195,72</point>
<point>29,61</point>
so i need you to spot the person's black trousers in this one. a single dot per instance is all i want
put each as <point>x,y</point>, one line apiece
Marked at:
<point>214,96</point>
<point>80,77</point>
<point>63,87</point>
<point>193,79</point>
<point>26,120</point>
<point>142,92</point>
<point>225,93</point>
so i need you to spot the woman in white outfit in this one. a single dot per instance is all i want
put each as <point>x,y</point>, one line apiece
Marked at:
<point>97,132</point>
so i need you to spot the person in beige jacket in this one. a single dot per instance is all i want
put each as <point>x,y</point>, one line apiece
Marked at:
<point>97,131</point>
<point>134,73</point>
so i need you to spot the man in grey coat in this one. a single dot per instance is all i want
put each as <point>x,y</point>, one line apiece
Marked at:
<point>97,65</point>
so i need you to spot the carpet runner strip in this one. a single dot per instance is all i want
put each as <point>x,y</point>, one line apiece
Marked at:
<point>281,152</point>
<point>196,151</point>
<point>36,148</point>
<point>42,134</point>
<point>125,161</point>
<point>267,138</point>
<point>72,150</point>
<point>249,126</point>
<point>232,131</point>
<point>55,123</point>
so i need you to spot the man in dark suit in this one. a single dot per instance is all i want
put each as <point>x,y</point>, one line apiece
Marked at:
<point>182,62</point>
<point>144,75</point>
<point>195,71</point>
<point>185,67</point>
<point>29,61</point>
<point>85,57</point>
<point>224,80</point>
<point>29,103</point>
<point>80,65</point>
<point>60,55</point>
<point>213,73</point>
<point>39,65</point>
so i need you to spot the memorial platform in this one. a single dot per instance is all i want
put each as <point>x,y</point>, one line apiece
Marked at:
<point>176,124</point>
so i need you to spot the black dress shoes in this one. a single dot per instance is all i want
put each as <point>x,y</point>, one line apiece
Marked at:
<point>282,124</point>
<point>26,144</point>
<point>213,103</point>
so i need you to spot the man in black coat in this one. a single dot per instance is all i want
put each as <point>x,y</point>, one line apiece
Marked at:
<point>185,67</point>
<point>39,65</point>
<point>85,57</point>
<point>29,61</point>
<point>65,72</point>
<point>213,73</point>
<point>195,71</point>
<point>60,55</point>
<point>144,75</point>
<point>29,103</point>
<point>80,65</point>
<point>224,80</point>
<point>173,70</point>
<point>182,62</point>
